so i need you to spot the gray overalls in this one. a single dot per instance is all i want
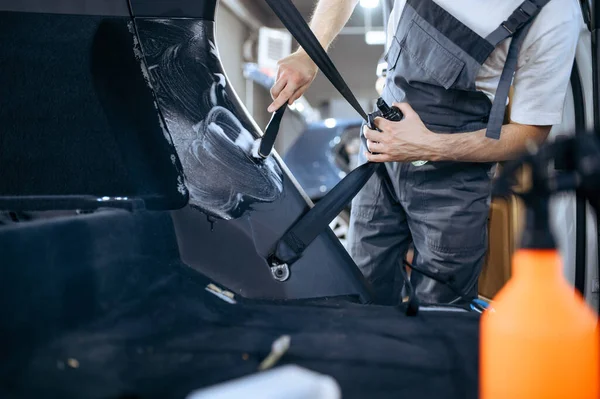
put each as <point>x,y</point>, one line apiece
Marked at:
<point>442,207</point>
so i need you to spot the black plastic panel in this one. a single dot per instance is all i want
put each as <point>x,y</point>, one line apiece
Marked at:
<point>60,273</point>
<point>252,202</point>
<point>101,307</point>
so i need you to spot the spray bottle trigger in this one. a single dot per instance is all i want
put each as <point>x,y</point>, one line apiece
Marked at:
<point>371,125</point>
<point>371,121</point>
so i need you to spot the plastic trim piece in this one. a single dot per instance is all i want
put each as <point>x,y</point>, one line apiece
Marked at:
<point>68,202</point>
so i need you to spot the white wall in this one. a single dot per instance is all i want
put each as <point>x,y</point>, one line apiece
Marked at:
<point>231,35</point>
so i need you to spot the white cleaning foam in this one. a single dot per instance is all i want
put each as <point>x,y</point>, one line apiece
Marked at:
<point>255,148</point>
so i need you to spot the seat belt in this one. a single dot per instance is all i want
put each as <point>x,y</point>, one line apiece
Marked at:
<point>293,243</point>
<point>296,239</point>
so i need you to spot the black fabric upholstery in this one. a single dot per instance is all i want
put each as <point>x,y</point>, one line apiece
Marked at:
<point>78,117</point>
<point>178,338</point>
<point>108,291</point>
<point>60,272</point>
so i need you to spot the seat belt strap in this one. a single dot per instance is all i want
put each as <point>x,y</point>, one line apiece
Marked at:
<point>293,243</point>
<point>524,14</point>
<point>496,116</point>
<point>295,23</point>
<point>290,247</point>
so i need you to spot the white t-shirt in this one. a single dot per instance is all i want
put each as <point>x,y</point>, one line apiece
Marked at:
<point>545,60</point>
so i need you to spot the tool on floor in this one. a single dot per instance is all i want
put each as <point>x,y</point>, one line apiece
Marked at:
<point>278,349</point>
<point>542,339</point>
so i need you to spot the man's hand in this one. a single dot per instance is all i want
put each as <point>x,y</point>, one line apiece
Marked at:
<point>294,75</point>
<point>410,140</point>
<point>404,141</point>
<point>297,71</point>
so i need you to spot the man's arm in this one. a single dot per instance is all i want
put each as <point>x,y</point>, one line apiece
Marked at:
<point>409,140</point>
<point>540,86</point>
<point>297,71</point>
<point>478,148</point>
<point>329,18</point>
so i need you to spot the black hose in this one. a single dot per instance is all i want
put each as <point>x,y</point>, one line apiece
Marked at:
<point>580,202</point>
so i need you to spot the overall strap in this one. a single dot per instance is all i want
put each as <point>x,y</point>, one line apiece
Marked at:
<point>517,26</point>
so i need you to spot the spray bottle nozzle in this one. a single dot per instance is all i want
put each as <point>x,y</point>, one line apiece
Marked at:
<point>383,111</point>
<point>389,113</point>
<point>385,108</point>
<point>382,105</point>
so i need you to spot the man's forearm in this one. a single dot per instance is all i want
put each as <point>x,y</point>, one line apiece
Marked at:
<point>410,140</point>
<point>329,17</point>
<point>297,71</point>
<point>475,147</point>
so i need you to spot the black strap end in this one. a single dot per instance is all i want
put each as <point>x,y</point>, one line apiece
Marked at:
<point>412,306</point>
<point>493,133</point>
<point>287,250</point>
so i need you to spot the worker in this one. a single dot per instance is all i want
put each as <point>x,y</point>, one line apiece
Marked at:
<point>444,67</point>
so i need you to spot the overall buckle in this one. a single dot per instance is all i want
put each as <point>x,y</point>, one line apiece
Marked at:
<point>520,17</point>
<point>510,32</point>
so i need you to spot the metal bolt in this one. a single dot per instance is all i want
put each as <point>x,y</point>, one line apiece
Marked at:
<point>280,272</point>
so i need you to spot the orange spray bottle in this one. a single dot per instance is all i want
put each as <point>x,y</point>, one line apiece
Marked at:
<point>539,339</point>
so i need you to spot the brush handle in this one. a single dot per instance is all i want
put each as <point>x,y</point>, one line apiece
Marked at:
<point>268,140</point>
